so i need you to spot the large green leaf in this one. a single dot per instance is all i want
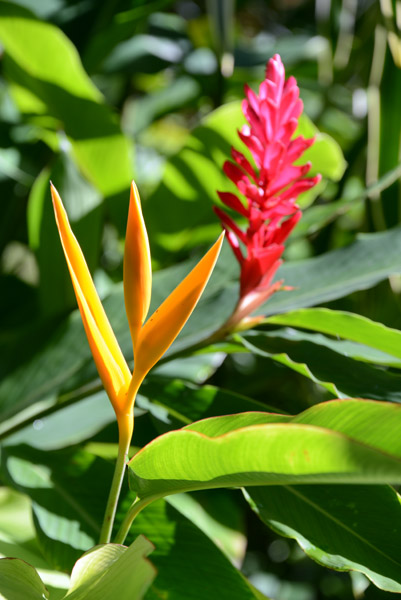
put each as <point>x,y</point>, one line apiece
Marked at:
<point>113,571</point>
<point>189,565</point>
<point>20,581</point>
<point>327,363</point>
<point>45,66</point>
<point>345,325</point>
<point>349,441</point>
<point>341,527</point>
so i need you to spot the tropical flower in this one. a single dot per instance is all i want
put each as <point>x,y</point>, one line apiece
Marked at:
<point>269,188</point>
<point>151,339</point>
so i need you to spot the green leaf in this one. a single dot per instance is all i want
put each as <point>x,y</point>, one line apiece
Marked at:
<point>20,581</point>
<point>335,274</point>
<point>347,348</point>
<point>326,363</point>
<point>143,53</point>
<point>113,571</point>
<point>341,527</point>
<point>54,81</point>
<point>189,565</point>
<point>69,424</point>
<point>348,326</point>
<point>349,441</point>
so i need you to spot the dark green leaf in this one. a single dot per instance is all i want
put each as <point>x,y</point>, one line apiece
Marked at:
<point>341,527</point>
<point>189,565</point>
<point>326,363</point>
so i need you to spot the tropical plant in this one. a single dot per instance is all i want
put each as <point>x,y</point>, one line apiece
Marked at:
<point>270,419</point>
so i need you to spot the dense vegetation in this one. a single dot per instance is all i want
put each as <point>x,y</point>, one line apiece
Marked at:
<point>93,95</point>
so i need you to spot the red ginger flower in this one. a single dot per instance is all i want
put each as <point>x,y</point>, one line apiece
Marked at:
<point>271,189</point>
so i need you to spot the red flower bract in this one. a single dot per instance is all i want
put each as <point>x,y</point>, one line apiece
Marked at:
<point>272,188</point>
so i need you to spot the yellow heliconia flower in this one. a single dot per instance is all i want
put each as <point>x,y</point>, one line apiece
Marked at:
<point>151,338</point>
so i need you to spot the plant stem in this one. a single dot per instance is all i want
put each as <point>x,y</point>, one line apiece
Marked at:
<point>134,510</point>
<point>125,434</point>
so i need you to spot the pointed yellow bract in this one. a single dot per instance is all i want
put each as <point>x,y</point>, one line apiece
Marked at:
<point>110,362</point>
<point>150,340</point>
<point>160,331</point>
<point>137,267</point>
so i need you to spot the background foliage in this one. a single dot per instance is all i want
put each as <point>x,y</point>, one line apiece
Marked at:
<point>93,94</point>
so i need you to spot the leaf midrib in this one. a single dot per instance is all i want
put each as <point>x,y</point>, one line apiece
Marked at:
<point>341,524</point>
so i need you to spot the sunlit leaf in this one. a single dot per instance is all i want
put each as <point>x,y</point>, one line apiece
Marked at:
<point>349,441</point>
<point>113,571</point>
<point>20,581</point>
<point>52,74</point>
<point>346,325</point>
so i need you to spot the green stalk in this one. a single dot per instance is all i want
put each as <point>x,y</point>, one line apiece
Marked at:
<point>134,510</point>
<point>119,471</point>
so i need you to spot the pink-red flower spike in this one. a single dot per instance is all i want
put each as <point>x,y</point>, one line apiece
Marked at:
<point>270,188</point>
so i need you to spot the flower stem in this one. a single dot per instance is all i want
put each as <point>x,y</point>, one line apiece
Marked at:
<point>125,434</point>
<point>134,510</point>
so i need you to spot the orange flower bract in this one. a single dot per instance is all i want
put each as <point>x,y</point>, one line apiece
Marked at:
<point>150,339</point>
